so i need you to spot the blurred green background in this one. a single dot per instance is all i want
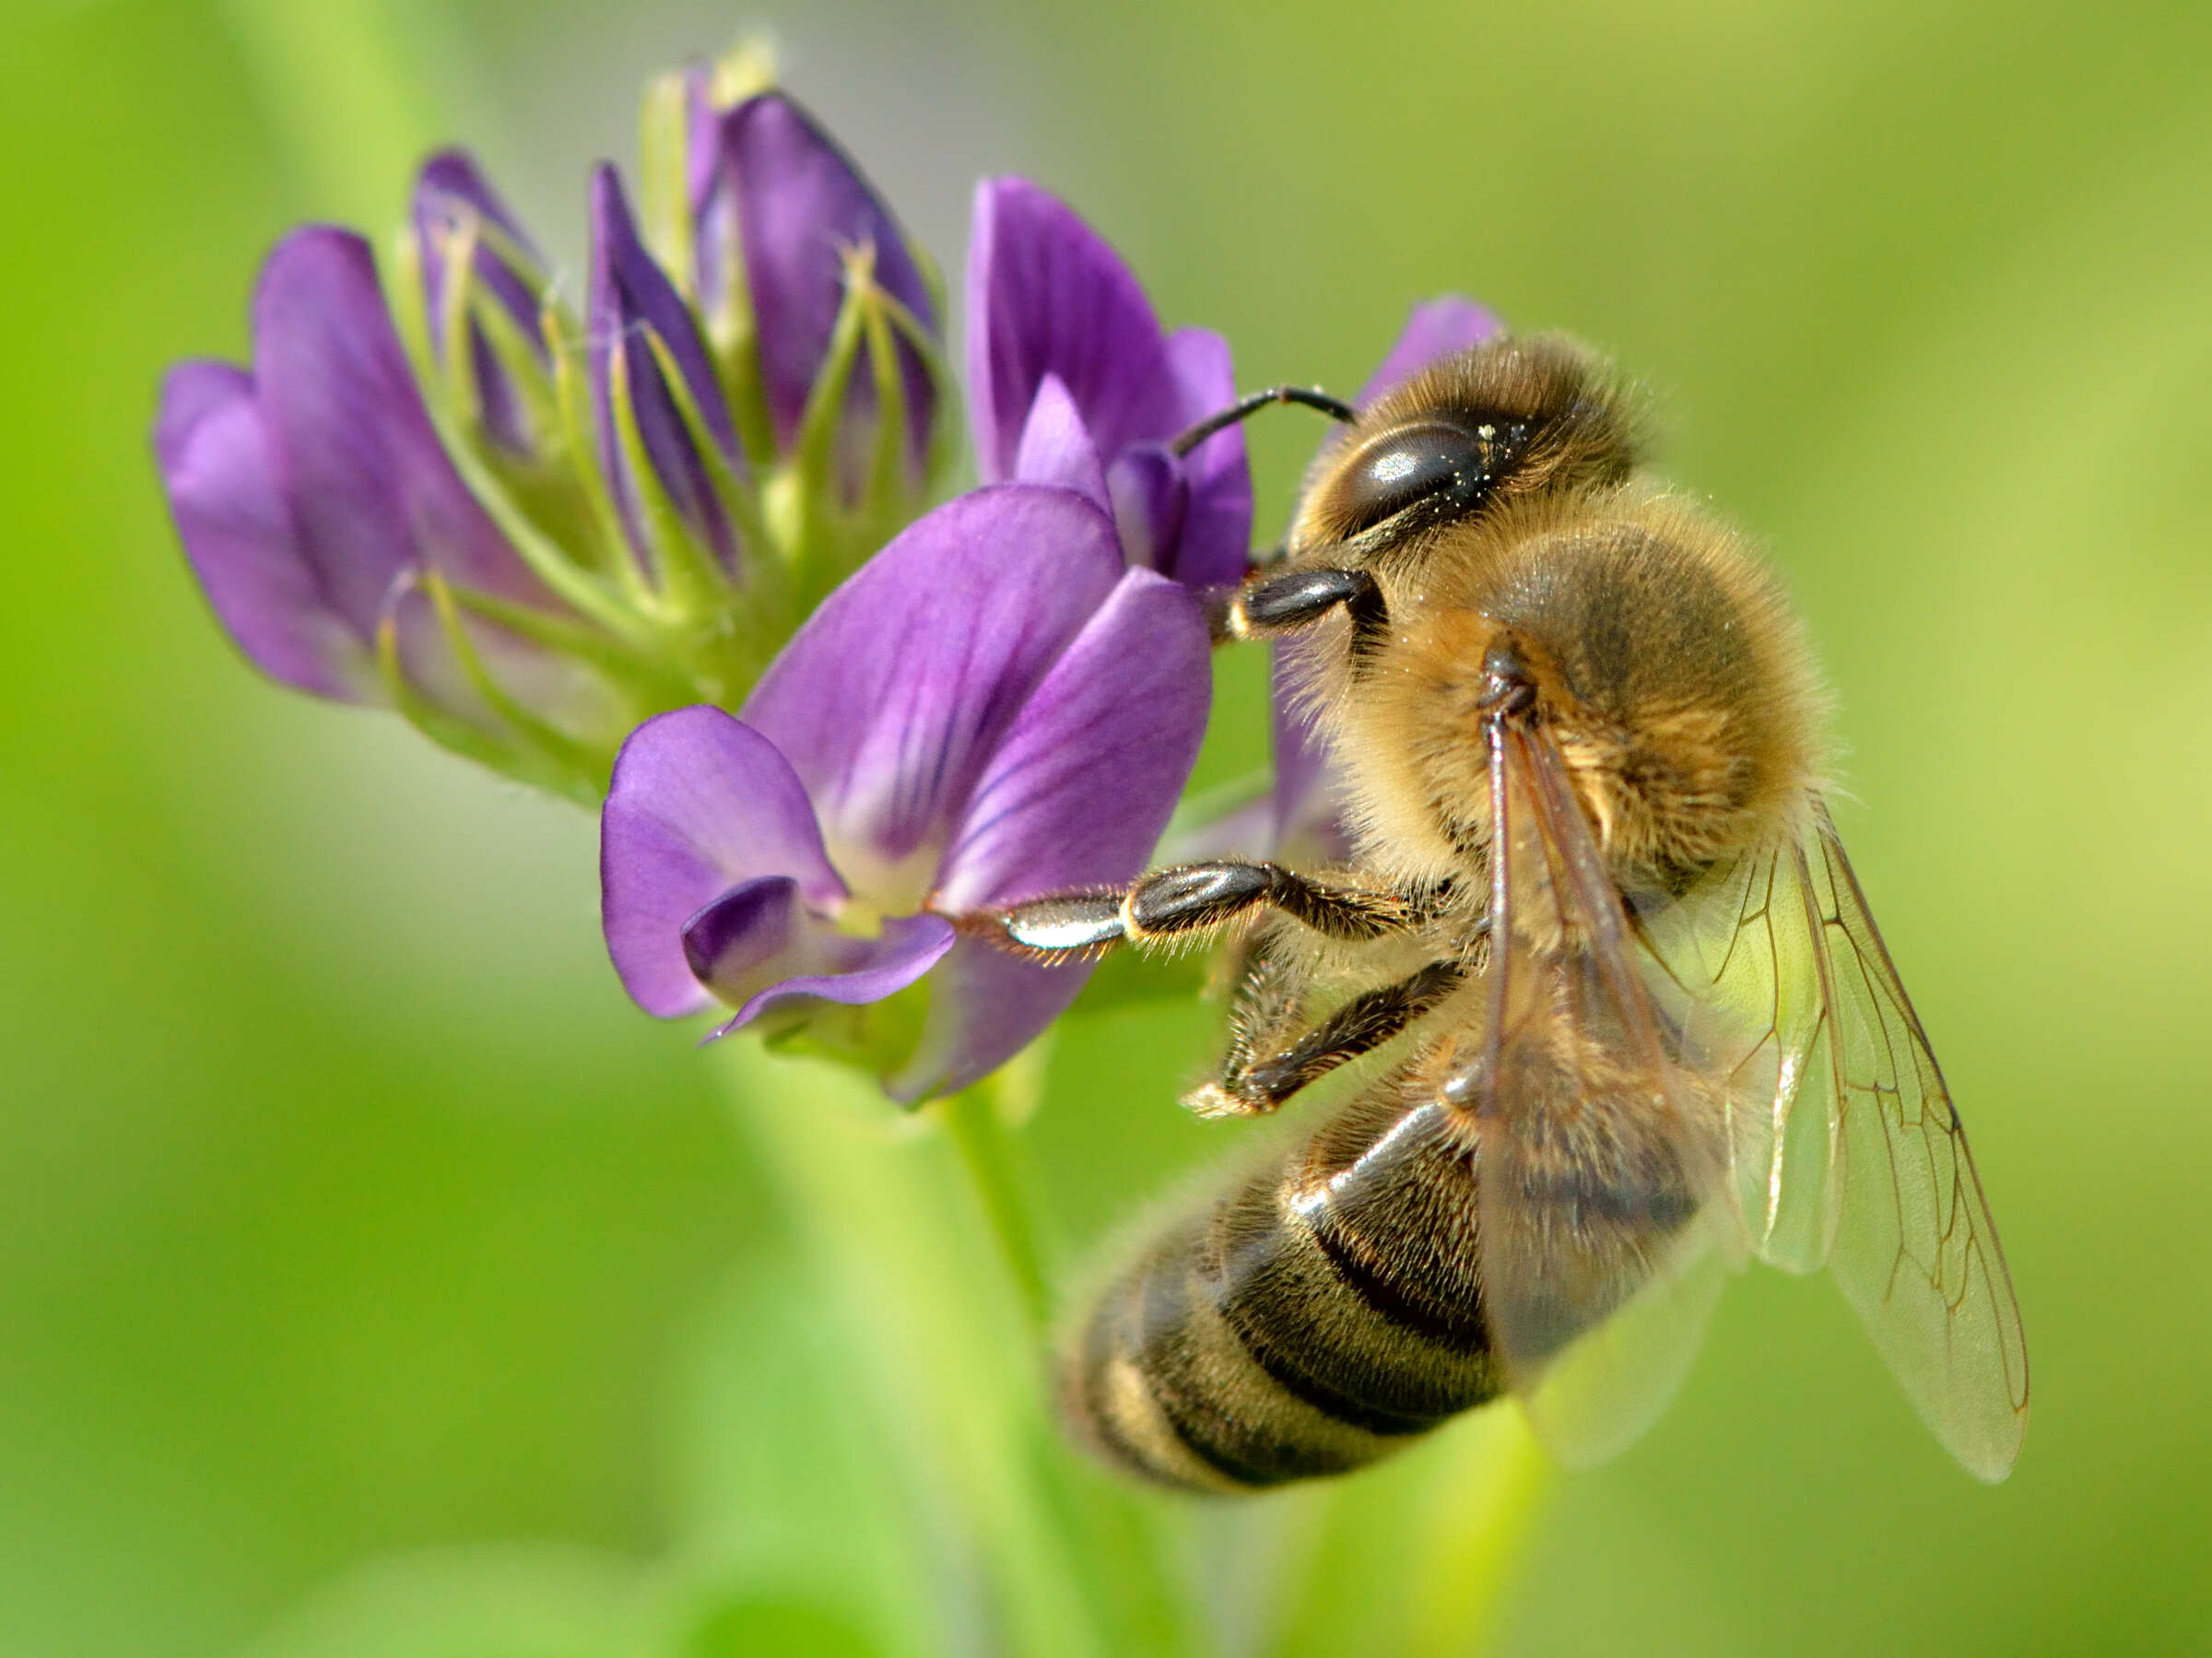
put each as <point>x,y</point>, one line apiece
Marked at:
<point>348,1211</point>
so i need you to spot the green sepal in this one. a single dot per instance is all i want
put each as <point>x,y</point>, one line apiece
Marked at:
<point>731,489</point>
<point>462,737</point>
<point>746,70</point>
<point>888,486</point>
<point>877,1038</point>
<point>572,396</point>
<point>663,174</point>
<point>549,483</point>
<point>653,683</point>
<point>687,576</point>
<point>590,767</point>
<point>829,536</point>
<point>568,580</point>
<point>942,453</point>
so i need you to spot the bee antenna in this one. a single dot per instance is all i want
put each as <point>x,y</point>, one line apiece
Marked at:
<point>1311,398</point>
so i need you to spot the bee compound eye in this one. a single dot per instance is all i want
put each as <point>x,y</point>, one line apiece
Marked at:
<point>1431,461</point>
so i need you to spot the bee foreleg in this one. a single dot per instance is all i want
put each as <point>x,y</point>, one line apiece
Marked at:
<point>1285,602</point>
<point>1360,1027</point>
<point>1198,896</point>
<point>1191,899</point>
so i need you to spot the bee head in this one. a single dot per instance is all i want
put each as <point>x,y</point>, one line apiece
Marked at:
<point>1504,419</point>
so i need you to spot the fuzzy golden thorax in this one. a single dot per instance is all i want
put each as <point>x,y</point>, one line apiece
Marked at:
<point>1668,670</point>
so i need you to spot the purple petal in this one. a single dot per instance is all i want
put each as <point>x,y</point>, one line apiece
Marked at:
<point>1055,447</point>
<point>449,190</point>
<point>1215,545</point>
<point>1436,329</point>
<point>892,698</point>
<point>370,489</point>
<point>1046,295</point>
<point>985,1007</point>
<point>698,804</point>
<point>1151,500</point>
<point>728,942</point>
<point>801,203</point>
<point>219,470</point>
<point>451,195</point>
<point>821,965</point>
<point>558,689</point>
<point>1078,791</point>
<point>632,302</point>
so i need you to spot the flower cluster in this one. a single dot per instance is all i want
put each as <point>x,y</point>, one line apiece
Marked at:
<point>633,556</point>
<point>528,530</point>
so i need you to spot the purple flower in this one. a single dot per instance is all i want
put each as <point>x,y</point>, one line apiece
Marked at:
<point>1072,381</point>
<point>483,286</point>
<point>313,498</point>
<point>793,253</point>
<point>528,531</point>
<point>993,708</point>
<point>666,439</point>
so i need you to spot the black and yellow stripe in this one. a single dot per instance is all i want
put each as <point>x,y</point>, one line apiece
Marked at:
<point>1320,1314</point>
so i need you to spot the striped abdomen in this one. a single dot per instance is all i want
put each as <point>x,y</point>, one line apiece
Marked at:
<point>1321,1313</point>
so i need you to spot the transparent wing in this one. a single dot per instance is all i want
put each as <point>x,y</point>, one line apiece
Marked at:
<point>1914,1251</point>
<point>1738,978</point>
<point>1600,1394</point>
<point>1600,1157</point>
<point>1843,1147</point>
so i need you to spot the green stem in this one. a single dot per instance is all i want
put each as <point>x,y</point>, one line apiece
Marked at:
<point>937,1332</point>
<point>1482,1502</point>
<point>978,1132</point>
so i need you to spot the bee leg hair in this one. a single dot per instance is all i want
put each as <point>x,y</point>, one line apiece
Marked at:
<point>1198,896</point>
<point>1360,1027</point>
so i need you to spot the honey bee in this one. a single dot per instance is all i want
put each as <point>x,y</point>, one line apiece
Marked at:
<point>1625,1014</point>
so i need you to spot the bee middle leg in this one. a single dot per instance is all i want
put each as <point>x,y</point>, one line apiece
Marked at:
<point>1249,1084</point>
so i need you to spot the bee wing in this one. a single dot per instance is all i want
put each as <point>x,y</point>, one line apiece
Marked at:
<point>1915,1250</point>
<point>1600,1155</point>
<point>1843,1147</point>
<point>1738,974</point>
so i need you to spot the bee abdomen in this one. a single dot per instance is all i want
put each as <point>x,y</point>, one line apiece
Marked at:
<point>1301,1324</point>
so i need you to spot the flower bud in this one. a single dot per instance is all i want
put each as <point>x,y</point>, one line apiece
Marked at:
<point>823,321</point>
<point>675,474</point>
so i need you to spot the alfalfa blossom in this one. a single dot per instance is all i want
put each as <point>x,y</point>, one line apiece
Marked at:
<point>992,707</point>
<point>528,529</point>
<point>1004,702</point>
<point>1071,380</point>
